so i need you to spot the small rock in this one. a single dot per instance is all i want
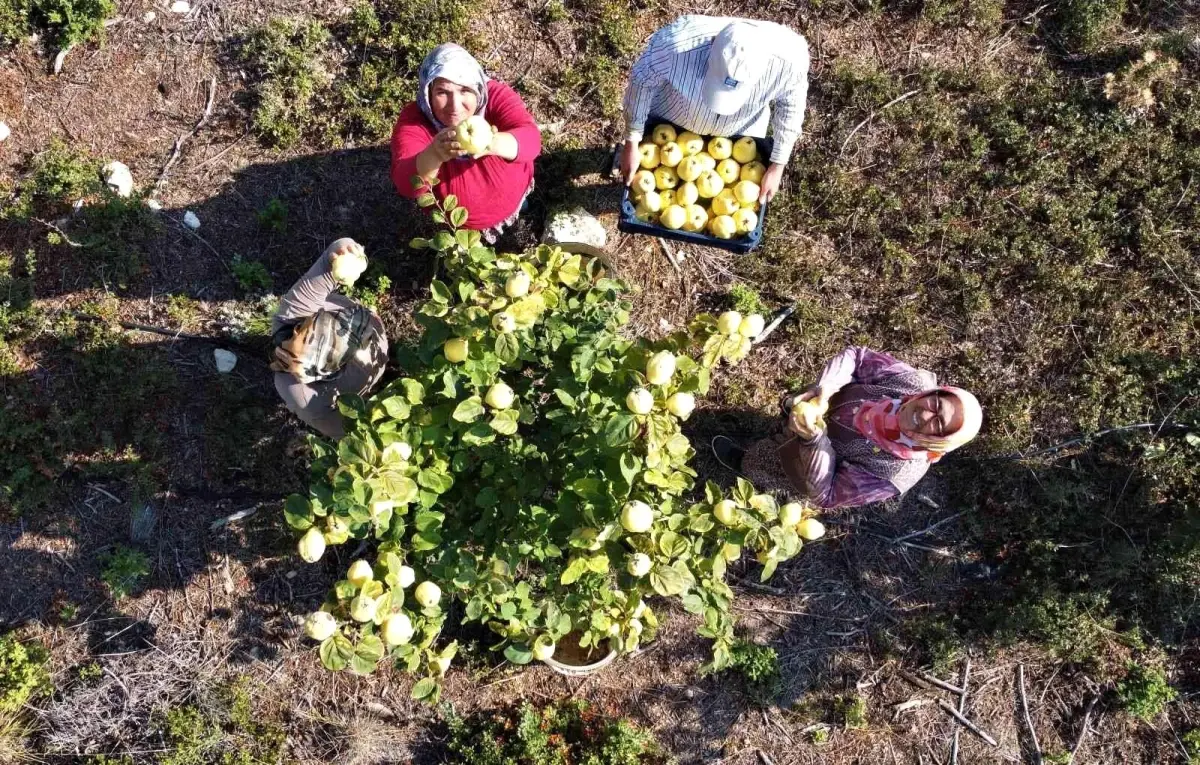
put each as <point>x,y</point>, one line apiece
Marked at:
<point>4,131</point>
<point>181,6</point>
<point>226,360</point>
<point>190,220</point>
<point>141,523</point>
<point>575,224</point>
<point>291,575</point>
<point>118,178</point>
<point>149,17</point>
<point>76,206</point>
<point>154,204</point>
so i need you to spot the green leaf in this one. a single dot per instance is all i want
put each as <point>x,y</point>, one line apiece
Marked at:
<point>367,654</point>
<point>413,390</point>
<point>450,202</point>
<point>508,347</point>
<point>693,603</point>
<point>424,688</point>
<point>336,652</point>
<point>566,399</point>
<point>443,240</point>
<point>458,216</point>
<point>435,480</point>
<point>672,544</point>
<point>576,569</point>
<point>439,291</point>
<point>426,200</point>
<point>666,581</point>
<point>620,430</point>
<point>396,407</point>
<point>298,512</point>
<point>505,422</point>
<point>469,410</point>
<point>353,450</point>
<point>518,654</point>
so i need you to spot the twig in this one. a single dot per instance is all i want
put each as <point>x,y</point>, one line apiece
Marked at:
<point>162,176</point>
<point>757,586</point>
<point>1037,748</point>
<point>1087,718</point>
<point>156,330</point>
<point>764,758</point>
<point>670,253</point>
<point>872,115</point>
<point>967,723</point>
<point>930,680</point>
<point>58,231</point>
<point>962,709</point>
<point>930,528</point>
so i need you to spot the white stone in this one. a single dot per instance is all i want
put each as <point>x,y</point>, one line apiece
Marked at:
<point>118,178</point>
<point>181,6</point>
<point>149,17</point>
<point>575,224</point>
<point>77,205</point>
<point>226,360</point>
<point>154,204</point>
<point>190,220</point>
<point>4,131</point>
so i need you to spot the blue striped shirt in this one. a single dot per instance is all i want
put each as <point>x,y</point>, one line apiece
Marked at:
<point>667,79</point>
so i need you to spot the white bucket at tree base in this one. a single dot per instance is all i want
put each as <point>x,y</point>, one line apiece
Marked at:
<point>580,670</point>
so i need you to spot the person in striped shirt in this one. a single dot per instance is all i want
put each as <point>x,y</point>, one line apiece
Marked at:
<point>720,76</point>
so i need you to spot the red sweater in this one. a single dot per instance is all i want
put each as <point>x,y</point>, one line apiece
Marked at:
<point>491,188</point>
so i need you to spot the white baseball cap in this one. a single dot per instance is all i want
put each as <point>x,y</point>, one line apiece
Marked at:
<point>736,61</point>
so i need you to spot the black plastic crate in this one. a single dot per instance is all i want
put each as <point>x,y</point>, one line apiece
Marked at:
<point>629,223</point>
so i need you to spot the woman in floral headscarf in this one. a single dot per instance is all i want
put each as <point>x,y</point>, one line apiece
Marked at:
<point>870,430</point>
<point>492,186</point>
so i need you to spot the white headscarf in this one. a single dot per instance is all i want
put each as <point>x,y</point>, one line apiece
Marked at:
<point>451,62</point>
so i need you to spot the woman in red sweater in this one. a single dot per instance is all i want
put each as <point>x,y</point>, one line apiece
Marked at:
<point>493,185</point>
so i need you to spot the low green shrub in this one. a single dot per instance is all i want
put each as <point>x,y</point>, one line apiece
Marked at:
<point>125,570</point>
<point>291,64</point>
<point>567,733</point>
<point>758,666</point>
<point>23,672</point>
<point>1145,692</point>
<point>62,23</point>
<point>1087,25</point>
<point>746,299</point>
<point>251,275</point>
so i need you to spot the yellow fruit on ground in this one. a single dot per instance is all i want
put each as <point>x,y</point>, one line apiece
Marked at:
<point>670,154</point>
<point>725,203</point>
<point>746,220</point>
<point>649,155</point>
<point>456,349</point>
<point>428,594</point>
<point>810,529</point>
<point>708,161</point>
<point>690,143</point>
<point>360,573</point>
<point>791,513</point>
<point>728,323</point>
<point>729,171</point>
<point>674,217</point>
<point>752,326</point>
<point>397,629</point>
<point>753,171</point>
<point>687,194</point>
<point>664,178</point>
<point>637,517</point>
<point>725,511</point>
<point>320,625</point>
<point>697,218</point>
<point>362,609</point>
<point>662,134</point>
<point>745,149</point>
<point>689,169</point>
<point>709,184</point>
<point>312,545</point>
<point>722,227</point>
<point>720,147</point>
<point>746,192</point>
